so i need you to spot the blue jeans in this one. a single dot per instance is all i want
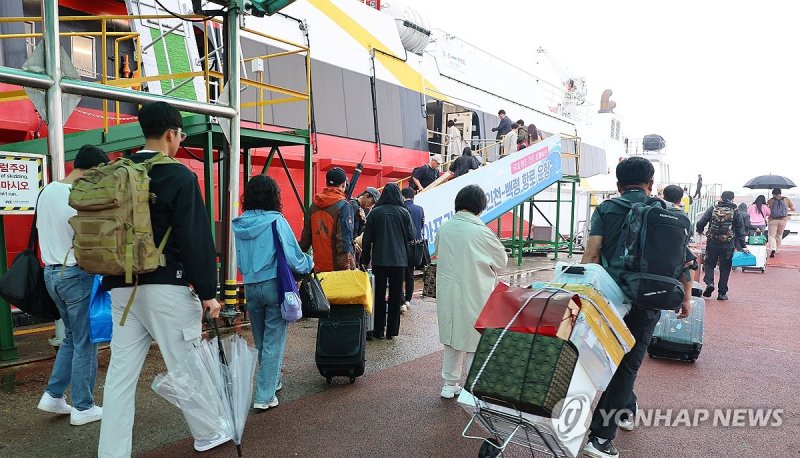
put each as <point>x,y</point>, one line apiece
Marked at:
<point>76,361</point>
<point>269,333</point>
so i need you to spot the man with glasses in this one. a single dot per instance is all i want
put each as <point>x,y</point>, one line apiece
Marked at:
<point>168,302</point>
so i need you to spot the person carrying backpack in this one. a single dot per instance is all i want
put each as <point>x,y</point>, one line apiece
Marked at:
<point>328,226</point>
<point>464,164</point>
<point>69,287</point>
<point>167,303</point>
<point>643,244</point>
<point>779,207</point>
<point>726,233</point>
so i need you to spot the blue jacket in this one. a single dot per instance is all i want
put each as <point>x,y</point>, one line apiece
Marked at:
<point>504,127</point>
<point>417,217</point>
<point>255,246</point>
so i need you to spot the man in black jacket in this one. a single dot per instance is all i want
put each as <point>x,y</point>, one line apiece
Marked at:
<point>505,125</point>
<point>386,236</point>
<point>726,233</point>
<point>418,218</point>
<point>167,303</point>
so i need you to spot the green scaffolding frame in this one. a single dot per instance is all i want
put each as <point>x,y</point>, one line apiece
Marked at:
<point>201,133</point>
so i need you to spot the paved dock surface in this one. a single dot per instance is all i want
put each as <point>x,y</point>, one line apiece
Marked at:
<point>749,360</point>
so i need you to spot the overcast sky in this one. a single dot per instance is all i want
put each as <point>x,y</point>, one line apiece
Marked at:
<point>718,80</point>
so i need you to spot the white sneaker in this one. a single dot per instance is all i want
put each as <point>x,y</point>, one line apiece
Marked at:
<point>450,391</point>
<point>81,417</point>
<point>404,307</point>
<point>266,405</point>
<point>201,445</point>
<point>280,386</point>
<point>54,405</point>
<point>628,423</point>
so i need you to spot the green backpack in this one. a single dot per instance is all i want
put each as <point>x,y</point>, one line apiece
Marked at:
<point>113,231</point>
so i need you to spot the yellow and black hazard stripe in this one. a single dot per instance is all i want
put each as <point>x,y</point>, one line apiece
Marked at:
<point>39,177</point>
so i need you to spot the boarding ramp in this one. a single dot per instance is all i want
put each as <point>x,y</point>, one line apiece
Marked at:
<point>508,182</point>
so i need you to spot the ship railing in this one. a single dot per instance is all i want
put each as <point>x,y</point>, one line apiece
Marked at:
<point>137,82</point>
<point>483,152</point>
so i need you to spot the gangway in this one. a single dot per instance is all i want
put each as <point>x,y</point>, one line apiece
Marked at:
<point>508,182</point>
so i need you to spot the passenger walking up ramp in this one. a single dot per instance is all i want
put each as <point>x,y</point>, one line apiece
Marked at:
<point>507,183</point>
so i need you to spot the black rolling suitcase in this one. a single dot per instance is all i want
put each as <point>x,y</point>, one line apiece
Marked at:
<point>679,339</point>
<point>341,340</point>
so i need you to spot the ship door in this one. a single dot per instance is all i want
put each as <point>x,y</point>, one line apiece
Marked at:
<point>434,110</point>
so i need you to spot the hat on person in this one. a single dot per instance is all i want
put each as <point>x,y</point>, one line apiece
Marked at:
<point>89,156</point>
<point>335,177</point>
<point>437,158</point>
<point>374,193</point>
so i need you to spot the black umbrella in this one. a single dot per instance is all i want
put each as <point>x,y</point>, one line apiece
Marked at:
<point>770,182</point>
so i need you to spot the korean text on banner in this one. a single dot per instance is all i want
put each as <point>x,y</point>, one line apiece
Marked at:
<point>507,182</point>
<point>21,178</point>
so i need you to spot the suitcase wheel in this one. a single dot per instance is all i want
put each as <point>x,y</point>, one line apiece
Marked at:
<point>352,380</point>
<point>762,270</point>
<point>329,380</point>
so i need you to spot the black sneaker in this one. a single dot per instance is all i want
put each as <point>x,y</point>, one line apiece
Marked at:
<point>594,449</point>
<point>722,297</point>
<point>772,254</point>
<point>709,289</point>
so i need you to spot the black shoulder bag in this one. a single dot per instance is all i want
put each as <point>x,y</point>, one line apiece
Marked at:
<point>23,285</point>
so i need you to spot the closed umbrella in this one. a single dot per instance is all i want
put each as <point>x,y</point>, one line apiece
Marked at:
<point>770,182</point>
<point>213,387</point>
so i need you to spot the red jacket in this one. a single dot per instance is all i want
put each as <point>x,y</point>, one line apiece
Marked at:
<point>328,229</point>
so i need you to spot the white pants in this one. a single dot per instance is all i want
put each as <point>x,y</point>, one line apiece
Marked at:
<point>776,227</point>
<point>170,315</point>
<point>453,362</point>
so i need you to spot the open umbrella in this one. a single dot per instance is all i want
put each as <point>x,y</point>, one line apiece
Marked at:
<point>213,387</point>
<point>770,182</point>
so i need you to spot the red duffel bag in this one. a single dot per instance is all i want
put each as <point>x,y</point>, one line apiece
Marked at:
<point>545,312</point>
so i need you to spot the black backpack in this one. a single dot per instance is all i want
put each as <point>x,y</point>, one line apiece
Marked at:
<point>652,246</point>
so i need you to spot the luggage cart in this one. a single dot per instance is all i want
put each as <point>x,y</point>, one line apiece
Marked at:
<point>512,428</point>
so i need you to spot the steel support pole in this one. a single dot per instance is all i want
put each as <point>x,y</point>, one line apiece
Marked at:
<point>514,230</point>
<point>55,117</point>
<point>233,85</point>
<point>91,89</point>
<point>23,78</point>
<point>572,220</point>
<point>521,240</point>
<point>557,235</point>
<point>308,175</point>
<point>52,64</point>
<point>208,178</point>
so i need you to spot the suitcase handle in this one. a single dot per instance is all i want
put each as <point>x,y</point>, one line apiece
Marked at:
<point>574,270</point>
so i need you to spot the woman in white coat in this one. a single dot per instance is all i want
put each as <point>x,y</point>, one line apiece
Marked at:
<point>453,141</point>
<point>469,255</point>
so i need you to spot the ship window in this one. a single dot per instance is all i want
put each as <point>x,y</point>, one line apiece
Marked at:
<point>30,42</point>
<point>83,56</point>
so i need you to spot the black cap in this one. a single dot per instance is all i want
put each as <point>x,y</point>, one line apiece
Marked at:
<point>89,156</point>
<point>335,177</point>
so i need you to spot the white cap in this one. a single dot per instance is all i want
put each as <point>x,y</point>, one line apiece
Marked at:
<point>437,158</point>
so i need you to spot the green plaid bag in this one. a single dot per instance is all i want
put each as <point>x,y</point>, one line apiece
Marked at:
<point>429,280</point>
<point>757,240</point>
<point>532,372</point>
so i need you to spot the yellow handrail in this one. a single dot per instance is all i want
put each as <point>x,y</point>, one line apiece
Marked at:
<point>115,79</point>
